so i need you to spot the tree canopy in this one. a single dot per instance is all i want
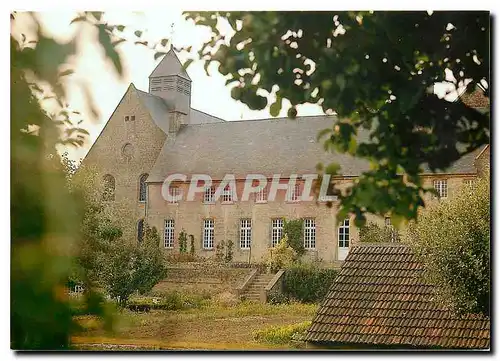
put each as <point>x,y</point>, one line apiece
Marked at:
<point>375,71</point>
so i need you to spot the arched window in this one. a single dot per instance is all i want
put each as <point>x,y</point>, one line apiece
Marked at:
<point>143,189</point>
<point>140,230</point>
<point>109,188</point>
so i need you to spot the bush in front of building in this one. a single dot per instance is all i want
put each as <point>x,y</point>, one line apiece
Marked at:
<point>307,282</point>
<point>281,256</point>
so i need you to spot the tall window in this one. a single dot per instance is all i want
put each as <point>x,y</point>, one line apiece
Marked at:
<point>276,231</point>
<point>227,194</point>
<point>208,233</point>
<point>309,233</point>
<point>441,185</point>
<point>174,191</point>
<point>292,194</point>
<point>245,233</point>
<point>140,230</point>
<point>109,188</point>
<point>209,195</point>
<point>261,196</point>
<point>168,241</point>
<point>143,189</point>
<point>344,234</point>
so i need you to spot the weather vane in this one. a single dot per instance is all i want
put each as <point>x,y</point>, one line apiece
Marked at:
<point>172,31</point>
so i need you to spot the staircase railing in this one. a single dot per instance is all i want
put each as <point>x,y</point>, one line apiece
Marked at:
<point>275,285</point>
<point>240,290</point>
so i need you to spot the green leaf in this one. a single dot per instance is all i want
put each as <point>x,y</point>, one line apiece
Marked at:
<point>120,27</point>
<point>275,108</point>
<point>164,42</point>
<point>292,112</point>
<point>138,33</point>
<point>109,49</point>
<point>322,133</point>
<point>187,63</point>
<point>159,54</point>
<point>67,72</point>
<point>78,19</point>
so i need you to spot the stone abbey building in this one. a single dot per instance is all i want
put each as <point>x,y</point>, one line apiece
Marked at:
<point>154,134</point>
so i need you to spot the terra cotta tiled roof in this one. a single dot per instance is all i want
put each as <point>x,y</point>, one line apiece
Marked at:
<point>379,298</point>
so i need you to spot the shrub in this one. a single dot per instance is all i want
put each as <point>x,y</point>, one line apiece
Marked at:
<point>307,282</point>
<point>278,298</point>
<point>229,251</point>
<point>182,242</point>
<point>294,229</point>
<point>219,251</point>
<point>452,240</point>
<point>281,256</point>
<point>191,245</point>
<point>373,233</point>
<point>281,334</point>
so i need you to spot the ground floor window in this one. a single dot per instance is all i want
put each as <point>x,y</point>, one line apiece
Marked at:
<point>309,233</point>
<point>245,233</point>
<point>441,186</point>
<point>208,233</point>
<point>276,231</point>
<point>168,241</point>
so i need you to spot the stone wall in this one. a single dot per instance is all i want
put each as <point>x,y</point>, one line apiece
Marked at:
<point>206,278</point>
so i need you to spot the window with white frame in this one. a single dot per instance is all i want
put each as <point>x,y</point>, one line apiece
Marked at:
<point>344,234</point>
<point>174,192</point>
<point>261,196</point>
<point>293,193</point>
<point>168,241</point>
<point>441,186</point>
<point>245,233</point>
<point>208,233</point>
<point>276,231</point>
<point>227,194</point>
<point>209,195</point>
<point>309,233</point>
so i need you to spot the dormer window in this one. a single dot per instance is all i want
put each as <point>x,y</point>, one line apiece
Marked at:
<point>132,117</point>
<point>126,118</point>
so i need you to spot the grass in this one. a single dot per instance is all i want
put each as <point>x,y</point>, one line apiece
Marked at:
<point>281,334</point>
<point>211,326</point>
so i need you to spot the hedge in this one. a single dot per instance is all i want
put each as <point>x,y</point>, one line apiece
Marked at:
<point>308,283</point>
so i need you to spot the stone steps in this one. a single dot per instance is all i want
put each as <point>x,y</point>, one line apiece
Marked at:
<point>255,288</point>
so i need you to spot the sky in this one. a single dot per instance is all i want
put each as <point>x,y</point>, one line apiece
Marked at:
<point>208,94</point>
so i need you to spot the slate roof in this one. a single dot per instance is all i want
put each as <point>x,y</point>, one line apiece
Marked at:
<point>379,298</point>
<point>267,146</point>
<point>157,107</point>
<point>170,65</point>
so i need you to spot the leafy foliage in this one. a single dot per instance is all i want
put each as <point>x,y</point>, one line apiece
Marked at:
<point>281,256</point>
<point>373,233</point>
<point>219,251</point>
<point>281,334</point>
<point>183,241</point>
<point>307,282</point>
<point>375,71</point>
<point>277,298</point>
<point>294,230</point>
<point>133,267</point>
<point>45,213</point>
<point>191,245</point>
<point>228,256</point>
<point>453,240</point>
